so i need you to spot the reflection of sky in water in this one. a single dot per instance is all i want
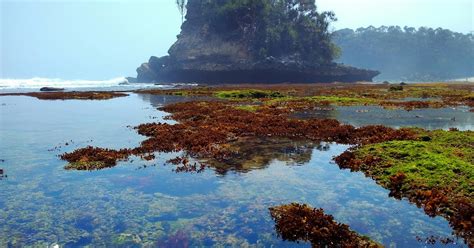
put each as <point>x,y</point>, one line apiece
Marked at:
<point>443,118</point>
<point>40,203</point>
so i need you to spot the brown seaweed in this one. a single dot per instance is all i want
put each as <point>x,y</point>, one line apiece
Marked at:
<point>208,129</point>
<point>299,222</point>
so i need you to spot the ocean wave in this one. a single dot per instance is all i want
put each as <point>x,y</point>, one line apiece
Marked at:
<point>466,79</point>
<point>36,83</point>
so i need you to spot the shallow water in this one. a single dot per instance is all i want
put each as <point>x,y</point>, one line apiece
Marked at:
<point>134,205</point>
<point>430,118</point>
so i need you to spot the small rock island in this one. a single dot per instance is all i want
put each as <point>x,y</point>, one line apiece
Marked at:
<point>259,41</point>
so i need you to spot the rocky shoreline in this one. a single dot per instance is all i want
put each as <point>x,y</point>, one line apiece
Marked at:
<point>169,70</point>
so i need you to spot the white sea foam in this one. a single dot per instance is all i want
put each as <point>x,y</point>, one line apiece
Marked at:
<point>469,79</point>
<point>36,83</point>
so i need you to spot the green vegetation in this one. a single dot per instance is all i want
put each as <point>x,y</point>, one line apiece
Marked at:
<point>300,97</point>
<point>251,108</point>
<point>441,159</point>
<point>436,172</point>
<point>248,94</point>
<point>340,100</point>
<point>396,88</point>
<point>81,165</point>
<point>291,101</point>
<point>408,53</point>
<point>275,28</point>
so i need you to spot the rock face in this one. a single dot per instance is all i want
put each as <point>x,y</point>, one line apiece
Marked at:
<point>201,56</point>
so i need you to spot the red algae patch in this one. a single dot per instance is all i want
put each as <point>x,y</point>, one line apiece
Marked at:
<point>296,222</point>
<point>73,95</point>
<point>207,129</point>
<point>93,158</point>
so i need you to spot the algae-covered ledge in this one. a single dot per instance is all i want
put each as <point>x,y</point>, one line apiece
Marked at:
<point>436,172</point>
<point>430,168</point>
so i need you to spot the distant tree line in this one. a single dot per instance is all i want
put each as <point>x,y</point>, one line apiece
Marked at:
<point>278,28</point>
<point>408,53</point>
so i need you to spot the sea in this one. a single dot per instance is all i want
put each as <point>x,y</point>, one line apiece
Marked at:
<point>10,85</point>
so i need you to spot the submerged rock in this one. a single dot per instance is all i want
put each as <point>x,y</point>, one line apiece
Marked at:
<point>204,55</point>
<point>51,89</point>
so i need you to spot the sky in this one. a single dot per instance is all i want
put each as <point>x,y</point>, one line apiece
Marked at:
<point>98,40</point>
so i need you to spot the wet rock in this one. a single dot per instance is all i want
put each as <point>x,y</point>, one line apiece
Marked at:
<point>48,89</point>
<point>2,174</point>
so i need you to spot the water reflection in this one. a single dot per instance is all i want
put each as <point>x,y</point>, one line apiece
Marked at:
<point>161,100</point>
<point>258,153</point>
<point>442,118</point>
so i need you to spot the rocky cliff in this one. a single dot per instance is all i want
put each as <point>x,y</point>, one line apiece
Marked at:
<point>202,55</point>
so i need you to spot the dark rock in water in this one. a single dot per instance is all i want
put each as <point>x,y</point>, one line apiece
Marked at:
<point>396,88</point>
<point>204,56</point>
<point>51,89</point>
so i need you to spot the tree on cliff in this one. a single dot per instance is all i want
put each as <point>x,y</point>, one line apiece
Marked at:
<point>408,53</point>
<point>181,4</point>
<point>277,28</point>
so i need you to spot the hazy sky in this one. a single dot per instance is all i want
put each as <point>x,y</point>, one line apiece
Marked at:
<point>85,39</point>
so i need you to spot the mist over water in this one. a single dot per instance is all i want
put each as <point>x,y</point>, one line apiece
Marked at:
<point>8,85</point>
<point>37,82</point>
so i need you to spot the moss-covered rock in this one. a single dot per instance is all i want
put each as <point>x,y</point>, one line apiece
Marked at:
<point>436,172</point>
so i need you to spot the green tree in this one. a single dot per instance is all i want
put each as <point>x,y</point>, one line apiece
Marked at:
<point>181,4</point>
<point>276,28</point>
<point>407,53</point>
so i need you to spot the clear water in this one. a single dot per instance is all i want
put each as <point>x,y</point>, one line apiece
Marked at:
<point>133,205</point>
<point>430,118</point>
